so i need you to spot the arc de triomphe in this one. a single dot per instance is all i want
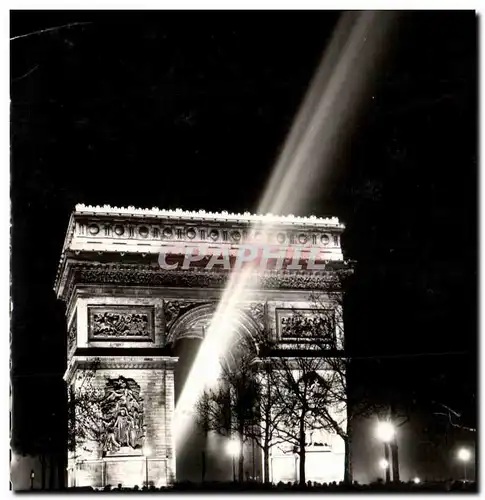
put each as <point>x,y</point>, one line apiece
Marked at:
<point>125,313</point>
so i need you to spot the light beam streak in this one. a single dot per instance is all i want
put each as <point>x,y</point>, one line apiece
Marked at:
<point>304,163</point>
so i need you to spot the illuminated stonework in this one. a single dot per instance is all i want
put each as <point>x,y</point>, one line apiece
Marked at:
<point>122,415</point>
<point>120,324</point>
<point>125,314</point>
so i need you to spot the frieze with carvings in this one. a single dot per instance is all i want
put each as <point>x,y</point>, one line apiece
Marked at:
<point>145,276</point>
<point>305,325</point>
<point>119,229</point>
<point>72,334</point>
<point>120,323</point>
<point>122,416</point>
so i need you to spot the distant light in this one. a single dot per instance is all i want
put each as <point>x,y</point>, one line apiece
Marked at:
<point>464,454</point>
<point>147,451</point>
<point>385,431</point>
<point>233,447</point>
<point>417,480</point>
<point>383,464</point>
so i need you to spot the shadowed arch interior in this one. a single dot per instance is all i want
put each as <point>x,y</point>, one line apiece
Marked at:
<point>203,456</point>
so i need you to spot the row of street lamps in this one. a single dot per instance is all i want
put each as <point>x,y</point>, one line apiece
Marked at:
<point>386,432</point>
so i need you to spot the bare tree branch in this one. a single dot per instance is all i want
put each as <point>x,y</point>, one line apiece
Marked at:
<point>26,74</point>
<point>450,413</point>
<point>47,30</point>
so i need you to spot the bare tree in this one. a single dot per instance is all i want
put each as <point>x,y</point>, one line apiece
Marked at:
<point>315,368</point>
<point>358,404</point>
<point>453,417</point>
<point>86,427</point>
<point>269,415</point>
<point>230,409</point>
<point>301,384</point>
<point>245,403</point>
<point>312,374</point>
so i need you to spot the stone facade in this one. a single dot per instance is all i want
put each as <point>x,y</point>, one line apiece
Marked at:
<point>124,314</point>
<point>119,327</point>
<point>92,465</point>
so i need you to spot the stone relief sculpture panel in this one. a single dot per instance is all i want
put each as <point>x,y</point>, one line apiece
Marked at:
<point>123,323</point>
<point>72,334</point>
<point>123,415</point>
<point>306,325</point>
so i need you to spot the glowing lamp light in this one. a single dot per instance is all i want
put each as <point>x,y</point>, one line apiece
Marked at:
<point>385,432</point>
<point>383,463</point>
<point>417,480</point>
<point>147,451</point>
<point>464,455</point>
<point>233,447</point>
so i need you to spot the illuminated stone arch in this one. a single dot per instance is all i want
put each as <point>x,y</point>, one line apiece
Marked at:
<point>135,289</point>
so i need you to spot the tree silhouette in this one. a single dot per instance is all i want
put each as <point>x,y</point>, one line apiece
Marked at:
<point>86,429</point>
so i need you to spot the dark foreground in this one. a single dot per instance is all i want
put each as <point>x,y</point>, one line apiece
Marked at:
<point>401,487</point>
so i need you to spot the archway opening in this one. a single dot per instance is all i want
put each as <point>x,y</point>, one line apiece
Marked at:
<point>191,463</point>
<point>203,455</point>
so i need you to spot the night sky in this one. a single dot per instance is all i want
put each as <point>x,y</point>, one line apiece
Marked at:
<point>190,110</point>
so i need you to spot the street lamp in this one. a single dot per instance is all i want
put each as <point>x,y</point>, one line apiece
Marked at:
<point>386,432</point>
<point>383,464</point>
<point>32,476</point>
<point>464,455</point>
<point>233,448</point>
<point>147,452</point>
<point>417,480</point>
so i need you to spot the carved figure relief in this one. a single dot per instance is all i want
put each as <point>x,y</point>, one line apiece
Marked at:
<point>72,334</point>
<point>307,325</point>
<point>120,324</point>
<point>123,414</point>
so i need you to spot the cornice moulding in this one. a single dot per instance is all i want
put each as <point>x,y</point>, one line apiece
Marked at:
<point>202,215</point>
<point>115,362</point>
